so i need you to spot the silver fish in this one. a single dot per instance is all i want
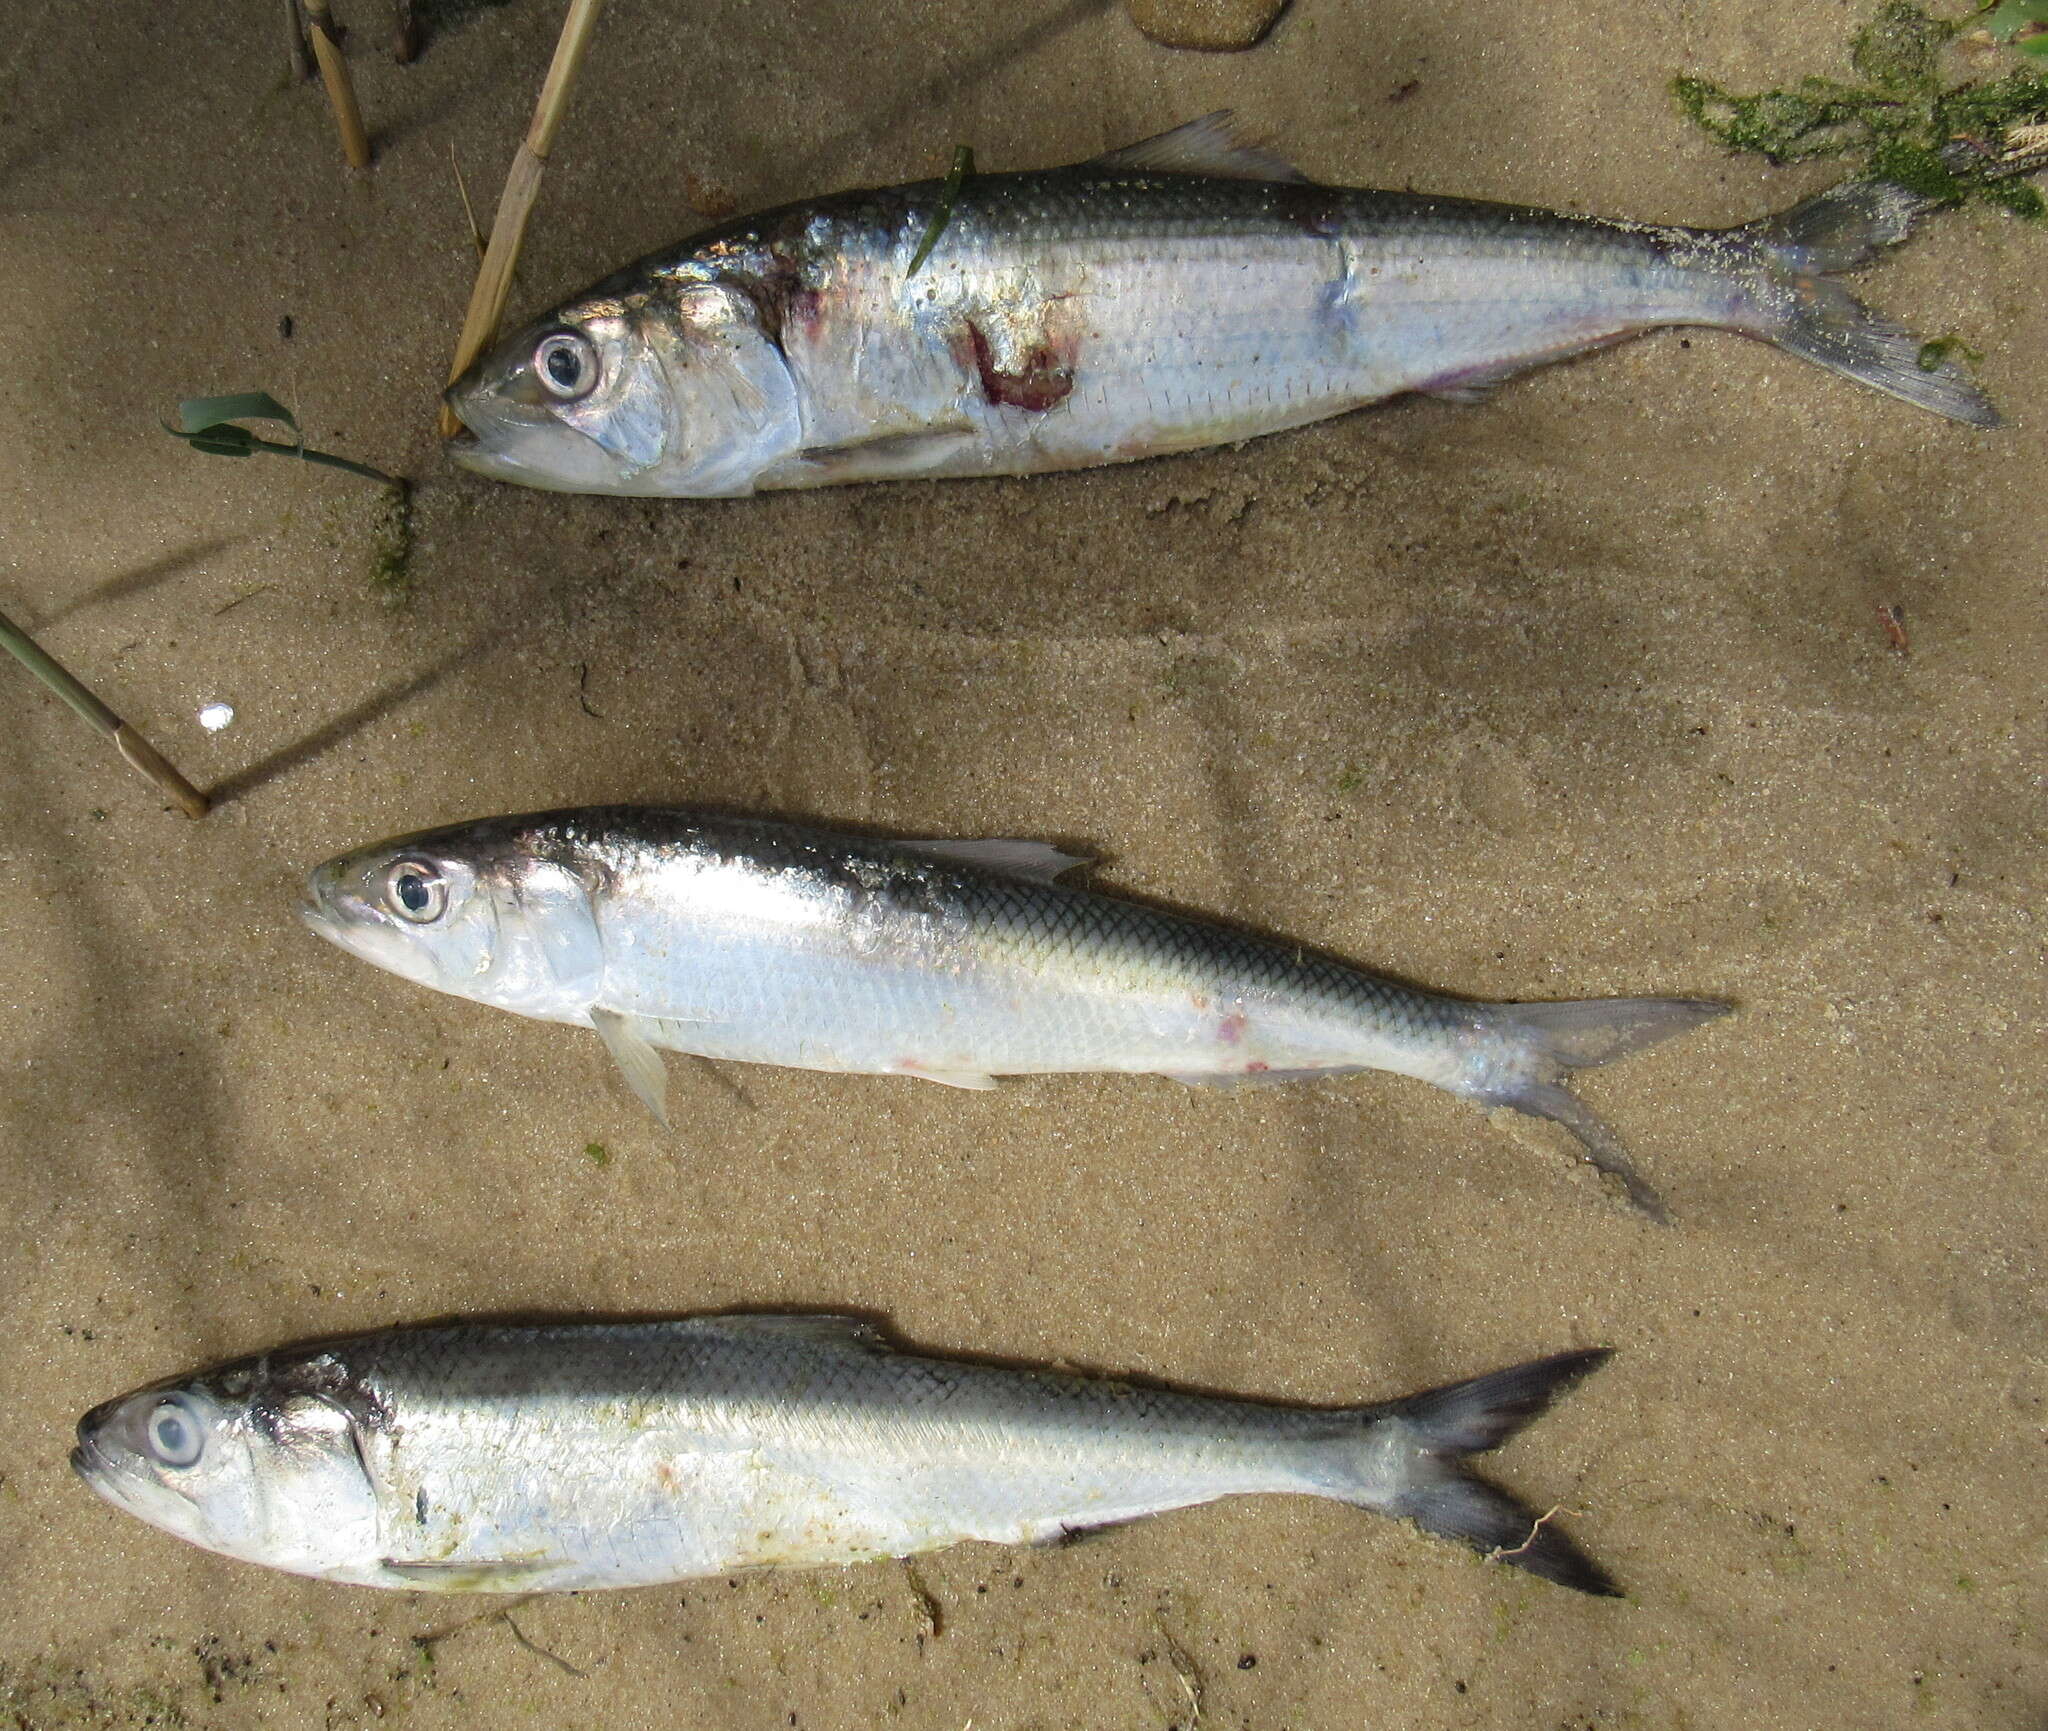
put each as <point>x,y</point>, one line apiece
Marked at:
<point>953,961</point>
<point>1179,293</point>
<point>523,1459</point>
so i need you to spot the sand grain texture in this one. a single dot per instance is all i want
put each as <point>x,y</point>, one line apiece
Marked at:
<point>1583,691</point>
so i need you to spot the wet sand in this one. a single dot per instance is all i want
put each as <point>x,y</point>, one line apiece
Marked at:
<point>1583,691</point>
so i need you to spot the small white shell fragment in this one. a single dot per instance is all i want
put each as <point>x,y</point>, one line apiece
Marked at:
<point>214,716</point>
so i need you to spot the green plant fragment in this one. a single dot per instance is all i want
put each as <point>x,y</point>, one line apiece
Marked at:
<point>1904,119</point>
<point>949,195</point>
<point>202,415</point>
<point>2023,24</point>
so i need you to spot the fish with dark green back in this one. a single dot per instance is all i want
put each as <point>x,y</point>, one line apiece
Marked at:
<point>1180,293</point>
<point>952,961</point>
<point>535,1459</point>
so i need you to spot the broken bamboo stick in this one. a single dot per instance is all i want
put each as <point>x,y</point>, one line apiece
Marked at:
<point>131,745</point>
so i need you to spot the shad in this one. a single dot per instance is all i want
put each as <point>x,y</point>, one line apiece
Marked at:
<point>1179,293</point>
<point>952,961</point>
<point>496,1459</point>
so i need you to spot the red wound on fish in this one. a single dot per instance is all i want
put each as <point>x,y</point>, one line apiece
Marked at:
<point>1039,384</point>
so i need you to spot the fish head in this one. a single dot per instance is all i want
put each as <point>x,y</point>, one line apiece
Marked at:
<point>247,1461</point>
<point>502,912</point>
<point>671,388</point>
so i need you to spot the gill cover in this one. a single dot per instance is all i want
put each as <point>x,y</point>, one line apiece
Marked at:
<point>626,412</point>
<point>736,403</point>
<point>554,905</point>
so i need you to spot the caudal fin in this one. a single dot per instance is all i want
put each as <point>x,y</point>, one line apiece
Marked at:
<point>1801,310</point>
<point>1543,1043</point>
<point>1438,1429</point>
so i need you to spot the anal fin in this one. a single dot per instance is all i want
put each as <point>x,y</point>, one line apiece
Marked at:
<point>1258,1078</point>
<point>970,1079</point>
<point>505,1575</point>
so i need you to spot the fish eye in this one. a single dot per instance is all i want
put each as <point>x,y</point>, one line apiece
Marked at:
<point>566,364</point>
<point>176,1436</point>
<point>416,891</point>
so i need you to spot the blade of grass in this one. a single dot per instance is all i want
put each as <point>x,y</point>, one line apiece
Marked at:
<point>240,442</point>
<point>139,753</point>
<point>207,424</point>
<point>341,92</point>
<point>196,414</point>
<point>949,195</point>
<point>515,205</point>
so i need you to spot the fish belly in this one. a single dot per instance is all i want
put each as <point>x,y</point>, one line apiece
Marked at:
<point>959,1011</point>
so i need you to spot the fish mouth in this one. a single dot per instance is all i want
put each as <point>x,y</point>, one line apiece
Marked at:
<point>315,913</point>
<point>464,433</point>
<point>104,1474</point>
<point>314,916</point>
<point>128,1485</point>
<point>365,932</point>
<point>503,440</point>
<point>491,451</point>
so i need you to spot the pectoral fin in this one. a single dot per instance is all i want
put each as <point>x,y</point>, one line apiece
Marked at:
<point>894,456</point>
<point>640,1063</point>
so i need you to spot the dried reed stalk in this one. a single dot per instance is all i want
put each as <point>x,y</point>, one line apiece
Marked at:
<point>522,186</point>
<point>348,118</point>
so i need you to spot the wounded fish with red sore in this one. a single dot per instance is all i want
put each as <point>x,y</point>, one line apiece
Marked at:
<point>1182,292</point>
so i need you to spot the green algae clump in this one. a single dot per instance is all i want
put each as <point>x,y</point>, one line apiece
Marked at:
<point>1902,120</point>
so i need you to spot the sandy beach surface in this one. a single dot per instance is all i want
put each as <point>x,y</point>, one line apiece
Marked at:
<point>1583,691</point>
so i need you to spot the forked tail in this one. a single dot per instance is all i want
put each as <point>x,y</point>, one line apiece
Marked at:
<point>1413,1460</point>
<point>1796,304</point>
<point>1538,1045</point>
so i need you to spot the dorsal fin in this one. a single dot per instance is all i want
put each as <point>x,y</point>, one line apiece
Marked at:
<point>1208,146</point>
<point>1017,859</point>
